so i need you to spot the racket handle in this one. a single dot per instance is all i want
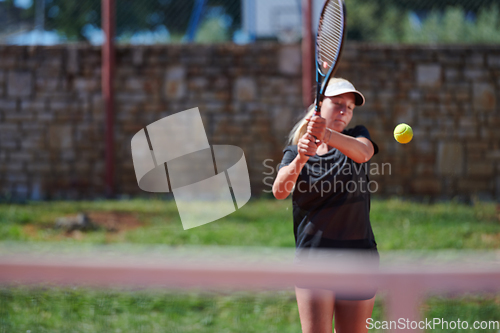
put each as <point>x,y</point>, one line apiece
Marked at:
<point>317,111</point>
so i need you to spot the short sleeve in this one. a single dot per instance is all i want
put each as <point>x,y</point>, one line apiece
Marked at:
<point>289,154</point>
<point>362,131</point>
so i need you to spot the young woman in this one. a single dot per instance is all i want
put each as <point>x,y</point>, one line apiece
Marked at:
<point>326,166</point>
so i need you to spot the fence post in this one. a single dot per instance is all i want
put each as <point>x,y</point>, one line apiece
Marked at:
<point>307,53</point>
<point>107,74</point>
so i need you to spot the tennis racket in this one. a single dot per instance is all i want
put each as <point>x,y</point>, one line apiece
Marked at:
<point>329,42</point>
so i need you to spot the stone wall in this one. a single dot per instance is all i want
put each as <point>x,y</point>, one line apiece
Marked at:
<point>52,119</point>
<point>450,95</point>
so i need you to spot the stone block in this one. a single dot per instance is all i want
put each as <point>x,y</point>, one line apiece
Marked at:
<point>412,94</point>
<point>494,60</point>
<point>68,155</point>
<point>468,131</point>
<point>439,133</point>
<point>474,74</point>
<point>424,146</point>
<point>290,60</point>
<point>60,167</point>
<point>15,176</point>
<point>198,83</point>
<point>471,186</point>
<point>483,169</point>
<point>467,121</point>
<point>450,159</point>
<point>34,142</point>
<point>8,129</point>
<point>97,103</point>
<point>20,84</point>
<point>426,186</point>
<point>493,155</point>
<point>21,190</point>
<point>21,116</point>
<point>423,169</point>
<point>21,156</point>
<point>60,136</point>
<point>282,120</point>
<point>49,84</point>
<point>429,75</point>
<point>214,107</point>
<point>175,83</point>
<point>426,122</point>
<point>8,106</point>
<point>85,84</point>
<point>491,133</point>
<point>138,56</point>
<point>46,115</point>
<point>134,83</point>
<point>14,166</point>
<point>10,61</point>
<point>82,168</point>
<point>245,89</point>
<point>33,105</point>
<point>477,146</point>
<point>493,120</point>
<point>450,58</point>
<point>476,59</point>
<point>451,74</point>
<point>462,94</point>
<point>484,97</point>
<point>129,97</point>
<point>64,106</point>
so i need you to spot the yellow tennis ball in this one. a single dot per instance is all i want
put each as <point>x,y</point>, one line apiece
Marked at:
<point>403,133</point>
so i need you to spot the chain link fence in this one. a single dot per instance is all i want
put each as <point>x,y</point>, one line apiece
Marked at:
<point>137,22</point>
<point>242,21</point>
<point>424,21</point>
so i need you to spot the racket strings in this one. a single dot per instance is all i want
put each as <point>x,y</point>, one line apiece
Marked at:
<point>330,39</point>
<point>330,33</point>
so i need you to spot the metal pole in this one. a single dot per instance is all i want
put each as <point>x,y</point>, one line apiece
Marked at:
<point>108,63</point>
<point>40,15</point>
<point>195,20</point>
<point>307,53</point>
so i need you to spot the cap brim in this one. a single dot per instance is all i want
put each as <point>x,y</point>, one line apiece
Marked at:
<point>359,99</point>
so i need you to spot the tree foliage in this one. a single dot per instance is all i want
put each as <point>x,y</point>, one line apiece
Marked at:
<point>69,18</point>
<point>404,21</point>
<point>390,21</point>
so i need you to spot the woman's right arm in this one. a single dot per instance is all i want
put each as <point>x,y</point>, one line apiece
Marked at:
<point>287,176</point>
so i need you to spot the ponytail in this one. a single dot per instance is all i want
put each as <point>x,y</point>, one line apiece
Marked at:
<point>300,127</point>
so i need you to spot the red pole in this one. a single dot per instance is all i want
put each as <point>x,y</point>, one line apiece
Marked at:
<point>108,63</point>
<point>307,53</point>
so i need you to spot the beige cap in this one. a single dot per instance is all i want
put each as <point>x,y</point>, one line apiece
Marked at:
<point>338,86</point>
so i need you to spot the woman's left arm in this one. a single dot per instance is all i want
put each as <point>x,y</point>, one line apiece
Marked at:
<point>359,149</point>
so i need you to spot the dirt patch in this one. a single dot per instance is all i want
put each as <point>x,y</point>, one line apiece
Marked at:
<point>31,230</point>
<point>491,239</point>
<point>115,221</point>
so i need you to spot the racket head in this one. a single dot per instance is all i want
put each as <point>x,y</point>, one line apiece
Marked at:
<point>329,43</point>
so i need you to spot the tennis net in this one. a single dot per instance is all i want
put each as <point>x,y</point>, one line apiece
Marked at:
<point>123,288</point>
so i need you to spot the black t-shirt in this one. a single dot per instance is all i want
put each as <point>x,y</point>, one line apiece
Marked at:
<point>331,199</point>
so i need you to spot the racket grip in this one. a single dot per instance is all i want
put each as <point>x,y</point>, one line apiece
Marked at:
<point>317,111</point>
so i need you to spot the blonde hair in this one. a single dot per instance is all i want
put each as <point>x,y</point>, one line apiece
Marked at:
<point>300,127</point>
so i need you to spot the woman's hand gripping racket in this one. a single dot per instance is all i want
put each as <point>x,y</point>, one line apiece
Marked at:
<point>329,42</point>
